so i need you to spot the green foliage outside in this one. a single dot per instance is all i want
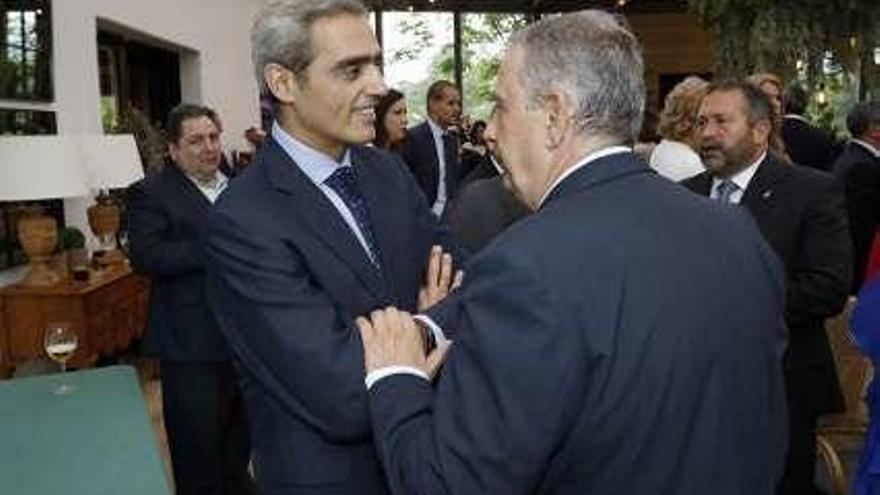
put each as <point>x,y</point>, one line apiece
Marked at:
<point>828,46</point>
<point>483,37</point>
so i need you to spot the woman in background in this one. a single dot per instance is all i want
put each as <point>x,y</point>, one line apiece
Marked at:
<point>390,121</point>
<point>675,157</point>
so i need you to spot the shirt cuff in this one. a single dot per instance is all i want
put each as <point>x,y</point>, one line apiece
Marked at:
<point>436,331</point>
<point>378,374</point>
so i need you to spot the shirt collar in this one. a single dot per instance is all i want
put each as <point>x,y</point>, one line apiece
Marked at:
<point>744,176</point>
<point>868,146</point>
<point>612,150</point>
<point>317,166</point>
<point>436,130</point>
<point>797,117</point>
<point>215,183</point>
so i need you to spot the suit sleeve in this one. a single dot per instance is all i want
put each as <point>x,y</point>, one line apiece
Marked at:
<point>154,249</point>
<point>820,277</point>
<point>285,330</point>
<point>501,406</point>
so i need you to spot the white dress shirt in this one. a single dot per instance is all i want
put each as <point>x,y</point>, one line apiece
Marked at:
<point>437,132</point>
<point>741,179</point>
<point>212,188</point>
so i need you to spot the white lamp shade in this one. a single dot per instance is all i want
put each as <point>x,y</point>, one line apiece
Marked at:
<point>40,167</point>
<point>111,161</point>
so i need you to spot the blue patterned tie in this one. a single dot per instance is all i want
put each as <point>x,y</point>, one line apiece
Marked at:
<point>725,190</point>
<point>344,182</point>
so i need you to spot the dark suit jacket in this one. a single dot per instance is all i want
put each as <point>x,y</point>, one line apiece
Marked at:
<point>801,214</point>
<point>623,339</point>
<point>859,170</point>
<point>167,223</point>
<point>808,145</point>
<point>420,156</point>
<point>482,210</point>
<point>287,280</point>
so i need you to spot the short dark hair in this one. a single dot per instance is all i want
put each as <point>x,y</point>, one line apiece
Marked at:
<point>435,90</point>
<point>795,100</point>
<point>758,106</point>
<point>186,111</point>
<point>862,117</point>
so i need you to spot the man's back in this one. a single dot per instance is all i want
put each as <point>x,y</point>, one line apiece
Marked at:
<point>624,339</point>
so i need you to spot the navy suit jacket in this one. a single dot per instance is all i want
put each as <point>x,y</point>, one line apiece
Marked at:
<point>419,153</point>
<point>167,224</point>
<point>801,213</point>
<point>625,338</point>
<point>287,279</point>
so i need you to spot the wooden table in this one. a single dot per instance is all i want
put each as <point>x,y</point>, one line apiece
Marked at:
<point>106,313</point>
<point>95,441</point>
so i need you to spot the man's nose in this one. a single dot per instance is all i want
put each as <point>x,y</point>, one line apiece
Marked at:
<point>375,82</point>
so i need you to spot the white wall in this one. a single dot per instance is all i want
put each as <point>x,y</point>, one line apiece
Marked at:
<point>211,35</point>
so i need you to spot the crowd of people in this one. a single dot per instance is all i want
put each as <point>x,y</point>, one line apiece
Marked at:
<point>521,305</point>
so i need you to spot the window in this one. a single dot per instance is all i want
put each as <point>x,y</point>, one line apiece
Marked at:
<point>25,50</point>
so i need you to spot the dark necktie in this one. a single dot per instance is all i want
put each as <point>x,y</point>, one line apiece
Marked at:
<point>344,183</point>
<point>450,156</point>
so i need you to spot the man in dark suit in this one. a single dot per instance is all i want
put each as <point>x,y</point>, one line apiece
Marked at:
<point>801,214</point>
<point>858,167</point>
<point>318,230</point>
<point>481,211</point>
<point>622,339</point>
<point>805,143</point>
<point>431,148</point>
<point>167,220</point>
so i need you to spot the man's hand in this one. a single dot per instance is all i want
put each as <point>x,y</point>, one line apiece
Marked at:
<point>392,338</point>
<point>439,281</point>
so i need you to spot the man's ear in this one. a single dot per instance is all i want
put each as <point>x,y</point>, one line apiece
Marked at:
<point>281,82</point>
<point>558,117</point>
<point>761,131</point>
<point>172,151</point>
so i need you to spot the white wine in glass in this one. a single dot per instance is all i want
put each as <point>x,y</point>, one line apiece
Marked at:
<point>60,342</point>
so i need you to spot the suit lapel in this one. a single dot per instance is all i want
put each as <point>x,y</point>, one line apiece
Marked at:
<point>318,214</point>
<point>188,188</point>
<point>372,188</point>
<point>760,195</point>
<point>701,184</point>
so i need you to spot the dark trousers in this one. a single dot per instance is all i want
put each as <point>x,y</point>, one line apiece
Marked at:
<point>207,429</point>
<point>800,461</point>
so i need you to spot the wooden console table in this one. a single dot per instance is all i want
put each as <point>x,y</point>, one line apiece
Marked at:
<point>106,313</point>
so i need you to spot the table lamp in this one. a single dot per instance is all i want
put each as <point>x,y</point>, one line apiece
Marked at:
<point>111,162</point>
<point>38,168</point>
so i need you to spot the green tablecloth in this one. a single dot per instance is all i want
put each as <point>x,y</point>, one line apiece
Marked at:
<point>95,441</point>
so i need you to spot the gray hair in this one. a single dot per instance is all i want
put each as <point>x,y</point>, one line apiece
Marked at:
<point>281,33</point>
<point>596,61</point>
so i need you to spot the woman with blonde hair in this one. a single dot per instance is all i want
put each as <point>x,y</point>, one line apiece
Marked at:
<point>675,157</point>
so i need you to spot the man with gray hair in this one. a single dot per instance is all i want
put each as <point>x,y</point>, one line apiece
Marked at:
<point>319,230</point>
<point>625,338</point>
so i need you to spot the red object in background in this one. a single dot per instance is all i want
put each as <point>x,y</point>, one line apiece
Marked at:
<point>872,269</point>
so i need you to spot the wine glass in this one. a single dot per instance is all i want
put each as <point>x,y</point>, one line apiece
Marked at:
<point>60,341</point>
